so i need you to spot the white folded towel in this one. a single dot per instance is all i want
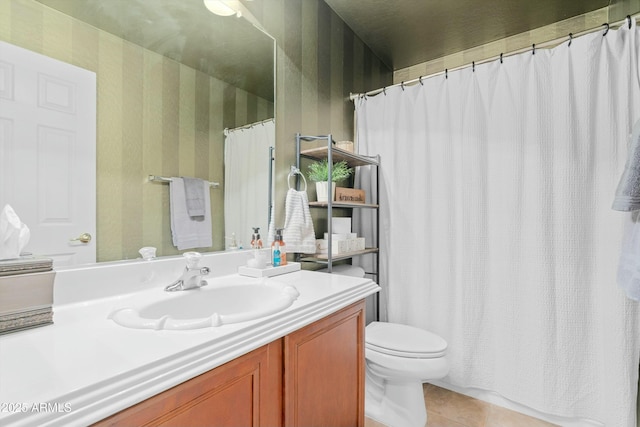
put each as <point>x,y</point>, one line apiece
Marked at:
<point>298,235</point>
<point>189,232</point>
<point>194,190</point>
<point>627,196</point>
<point>629,264</point>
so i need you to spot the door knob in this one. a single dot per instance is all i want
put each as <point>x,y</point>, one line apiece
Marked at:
<point>84,238</point>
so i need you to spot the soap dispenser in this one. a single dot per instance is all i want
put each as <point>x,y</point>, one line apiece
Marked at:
<point>276,255</point>
<point>277,241</point>
<point>256,241</point>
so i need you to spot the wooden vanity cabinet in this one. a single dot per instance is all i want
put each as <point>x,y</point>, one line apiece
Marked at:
<point>311,377</point>
<point>244,392</point>
<point>324,371</point>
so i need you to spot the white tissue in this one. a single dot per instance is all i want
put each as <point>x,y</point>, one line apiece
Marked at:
<point>14,235</point>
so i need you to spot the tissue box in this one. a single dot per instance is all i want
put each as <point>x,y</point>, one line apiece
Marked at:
<point>27,264</point>
<point>15,322</point>
<point>26,301</point>
<point>24,292</point>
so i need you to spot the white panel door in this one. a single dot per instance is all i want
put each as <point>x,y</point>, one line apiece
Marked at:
<point>48,152</point>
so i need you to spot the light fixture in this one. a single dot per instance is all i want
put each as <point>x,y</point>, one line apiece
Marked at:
<point>220,7</point>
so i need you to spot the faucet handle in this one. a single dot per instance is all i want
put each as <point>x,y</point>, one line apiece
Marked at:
<point>193,258</point>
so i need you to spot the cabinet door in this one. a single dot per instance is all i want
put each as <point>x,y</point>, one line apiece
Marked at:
<point>324,371</point>
<point>244,392</point>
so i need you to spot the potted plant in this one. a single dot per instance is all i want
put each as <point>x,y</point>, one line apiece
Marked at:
<point>319,173</point>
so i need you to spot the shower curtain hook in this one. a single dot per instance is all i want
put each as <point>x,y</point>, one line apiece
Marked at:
<point>501,57</point>
<point>420,80</point>
<point>533,49</point>
<point>629,19</point>
<point>446,73</point>
<point>570,38</point>
<point>384,90</point>
<point>606,30</point>
<point>402,86</point>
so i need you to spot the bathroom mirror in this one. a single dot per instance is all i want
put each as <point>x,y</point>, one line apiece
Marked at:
<point>171,77</point>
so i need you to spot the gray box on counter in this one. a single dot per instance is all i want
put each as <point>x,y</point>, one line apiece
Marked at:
<point>26,293</point>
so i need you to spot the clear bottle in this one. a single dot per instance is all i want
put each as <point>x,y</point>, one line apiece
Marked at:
<point>256,241</point>
<point>281,246</point>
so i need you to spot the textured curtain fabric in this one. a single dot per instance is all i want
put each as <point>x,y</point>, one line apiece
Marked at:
<point>246,181</point>
<point>496,225</point>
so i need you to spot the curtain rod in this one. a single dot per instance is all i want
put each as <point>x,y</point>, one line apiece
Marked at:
<point>249,126</point>
<point>627,20</point>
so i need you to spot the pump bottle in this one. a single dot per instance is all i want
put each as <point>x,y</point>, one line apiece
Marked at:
<point>276,254</point>
<point>256,241</point>
<point>281,246</point>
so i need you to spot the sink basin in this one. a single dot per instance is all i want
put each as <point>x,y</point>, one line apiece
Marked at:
<point>212,305</point>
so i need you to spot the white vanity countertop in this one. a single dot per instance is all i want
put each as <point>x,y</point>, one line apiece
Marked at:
<point>85,367</point>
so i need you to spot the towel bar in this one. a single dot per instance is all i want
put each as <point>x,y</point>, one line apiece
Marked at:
<point>156,178</point>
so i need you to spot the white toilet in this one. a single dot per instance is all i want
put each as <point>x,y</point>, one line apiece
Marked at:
<point>399,358</point>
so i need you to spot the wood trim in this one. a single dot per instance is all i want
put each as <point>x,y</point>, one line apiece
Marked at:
<point>320,361</point>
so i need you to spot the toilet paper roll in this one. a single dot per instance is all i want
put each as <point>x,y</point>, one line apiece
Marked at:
<point>14,235</point>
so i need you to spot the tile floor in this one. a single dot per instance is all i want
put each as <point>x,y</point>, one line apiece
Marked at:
<point>448,409</point>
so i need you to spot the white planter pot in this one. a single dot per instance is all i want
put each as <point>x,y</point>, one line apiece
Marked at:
<point>321,191</point>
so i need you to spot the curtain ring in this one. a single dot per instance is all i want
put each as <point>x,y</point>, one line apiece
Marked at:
<point>629,19</point>
<point>420,80</point>
<point>606,30</point>
<point>533,49</point>
<point>501,58</point>
<point>570,38</point>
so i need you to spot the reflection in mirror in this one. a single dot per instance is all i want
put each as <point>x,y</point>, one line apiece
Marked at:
<point>170,77</point>
<point>248,170</point>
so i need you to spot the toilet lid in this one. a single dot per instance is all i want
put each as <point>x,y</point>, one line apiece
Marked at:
<point>403,340</point>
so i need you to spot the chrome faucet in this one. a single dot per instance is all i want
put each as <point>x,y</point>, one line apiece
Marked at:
<point>191,276</point>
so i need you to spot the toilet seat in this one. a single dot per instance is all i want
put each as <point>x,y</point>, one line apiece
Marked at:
<point>399,340</point>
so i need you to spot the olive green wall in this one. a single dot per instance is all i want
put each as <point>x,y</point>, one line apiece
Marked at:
<point>155,116</point>
<point>319,62</point>
<point>617,11</point>
<point>168,119</point>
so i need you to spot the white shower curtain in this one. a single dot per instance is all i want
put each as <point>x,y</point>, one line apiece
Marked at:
<point>496,224</point>
<point>246,181</point>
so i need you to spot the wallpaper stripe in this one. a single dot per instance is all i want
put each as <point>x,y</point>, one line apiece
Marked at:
<point>152,195</point>
<point>319,61</point>
<point>155,116</point>
<point>132,137</point>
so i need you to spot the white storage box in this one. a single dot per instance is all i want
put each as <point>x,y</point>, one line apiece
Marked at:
<point>342,236</point>
<point>341,225</point>
<point>338,247</point>
<point>356,244</point>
